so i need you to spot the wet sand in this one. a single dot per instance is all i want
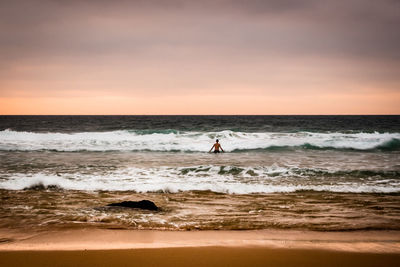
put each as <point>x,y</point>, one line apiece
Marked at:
<point>98,247</point>
<point>197,256</point>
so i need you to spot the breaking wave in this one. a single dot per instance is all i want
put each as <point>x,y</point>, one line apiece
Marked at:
<point>221,179</point>
<point>173,140</point>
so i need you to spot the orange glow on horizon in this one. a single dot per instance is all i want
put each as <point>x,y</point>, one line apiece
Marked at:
<point>204,105</point>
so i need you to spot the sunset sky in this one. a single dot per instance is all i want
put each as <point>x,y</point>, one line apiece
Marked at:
<point>200,57</point>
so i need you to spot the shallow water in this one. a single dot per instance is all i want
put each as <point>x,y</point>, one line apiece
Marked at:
<point>52,209</point>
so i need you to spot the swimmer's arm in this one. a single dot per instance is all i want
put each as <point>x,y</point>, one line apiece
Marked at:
<point>212,148</point>
<point>221,148</point>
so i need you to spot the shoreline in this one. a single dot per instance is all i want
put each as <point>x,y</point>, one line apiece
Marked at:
<point>117,239</point>
<point>116,247</point>
<point>99,247</point>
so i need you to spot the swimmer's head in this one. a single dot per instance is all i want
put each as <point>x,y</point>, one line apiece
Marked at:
<point>216,140</point>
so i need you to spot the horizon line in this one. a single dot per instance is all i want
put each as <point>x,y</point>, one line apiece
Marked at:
<point>199,114</point>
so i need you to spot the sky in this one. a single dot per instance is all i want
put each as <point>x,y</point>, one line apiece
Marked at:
<point>199,57</point>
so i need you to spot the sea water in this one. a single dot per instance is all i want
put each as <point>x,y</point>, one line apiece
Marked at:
<point>287,172</point>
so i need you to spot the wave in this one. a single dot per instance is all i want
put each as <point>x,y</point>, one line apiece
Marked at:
<point>173,140</point>
<point>391,145</point>
<point>220,179</point>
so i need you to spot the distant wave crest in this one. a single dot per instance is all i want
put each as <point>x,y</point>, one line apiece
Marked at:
<point>174,140</point>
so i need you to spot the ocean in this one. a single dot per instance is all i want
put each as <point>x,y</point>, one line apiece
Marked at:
<point>323,173</point>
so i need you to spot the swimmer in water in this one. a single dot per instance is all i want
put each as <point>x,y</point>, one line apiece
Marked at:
<point>217,147</point>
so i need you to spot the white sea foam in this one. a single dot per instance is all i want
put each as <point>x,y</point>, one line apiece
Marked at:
<point>187,141</point>
<point>231,180</point>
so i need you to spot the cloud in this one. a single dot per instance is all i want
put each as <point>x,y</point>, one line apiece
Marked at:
<point>197,47</point>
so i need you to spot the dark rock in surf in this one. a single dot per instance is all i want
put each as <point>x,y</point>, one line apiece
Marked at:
<point>42,187</point>
<point>142,204</point>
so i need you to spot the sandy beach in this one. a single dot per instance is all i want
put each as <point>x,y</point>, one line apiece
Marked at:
<point>94,247</point>
<point>197,256</point>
